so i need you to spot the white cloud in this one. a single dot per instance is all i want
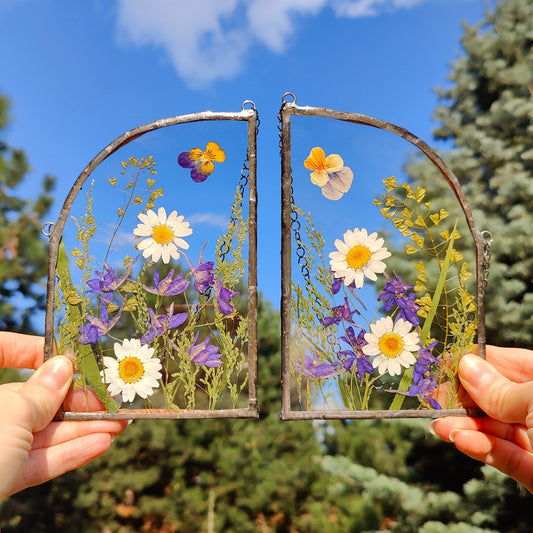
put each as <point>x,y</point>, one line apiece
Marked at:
<point>210,219</point>
<point>370,8</point>
<point>207,40</point>
<point>271,21</point>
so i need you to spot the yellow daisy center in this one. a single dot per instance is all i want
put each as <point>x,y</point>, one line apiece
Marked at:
<point>162,234</point>
<point>130,370</point>
<point>358,256</point>
<point>390,345</point>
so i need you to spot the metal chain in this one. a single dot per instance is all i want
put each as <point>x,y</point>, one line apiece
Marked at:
<point>296,227</point>
<point>243,182</point>
<point>487,238</point>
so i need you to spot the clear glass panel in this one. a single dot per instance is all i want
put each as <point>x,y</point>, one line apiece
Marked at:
<point>380,299</point>
<point>155,271</point>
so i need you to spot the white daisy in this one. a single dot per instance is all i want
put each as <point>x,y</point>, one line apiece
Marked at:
<point>393,345</point>
<point>357,256</point>
<point>134,371</point>
<point>162,234</point>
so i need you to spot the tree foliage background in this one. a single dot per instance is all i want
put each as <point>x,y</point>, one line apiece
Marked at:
<point>23,251</point>
<point>486,121</point>
<point>361,476</point>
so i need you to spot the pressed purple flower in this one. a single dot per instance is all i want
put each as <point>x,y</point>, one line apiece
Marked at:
<point>347,358</point>
<point>168,286</point>
<point>161,323</point>
<point>204,274</point>
<point>395,292</point>
<point>362,361</point>
<point>96,327</point>
<point>408,309</point>
<point>424,360</point>
<point>107,281</point>
<point>223,297</point>
<point>423,389</point>
<point>314,368</point>
<point>341,313</point>
<point>336,285</point>
<point>204,354</point>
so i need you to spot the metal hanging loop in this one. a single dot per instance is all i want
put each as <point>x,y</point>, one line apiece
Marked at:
<point>47,228</point>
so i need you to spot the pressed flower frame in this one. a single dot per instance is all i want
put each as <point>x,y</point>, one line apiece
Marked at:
<point>161,325</point>
<point>342,358</point>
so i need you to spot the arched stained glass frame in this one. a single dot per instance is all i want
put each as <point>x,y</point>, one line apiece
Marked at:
<point>152,272</point>
<point>364,334</point>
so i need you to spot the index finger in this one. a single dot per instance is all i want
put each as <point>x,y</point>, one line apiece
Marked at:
<point>21,351</point>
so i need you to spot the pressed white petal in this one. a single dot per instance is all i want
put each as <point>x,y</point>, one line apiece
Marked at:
<point>153,219</point>
<point>376,266</point>
<point>146,243</point>
<point>375,244</point>
<point>402,327</point>
<point>341,180</point>
<point>144,218</point>
<point>383,367</point>
<point>358,278</point>
<point>173,218</point>
<point>180,243</point>
<point>165,254</point>
<point>369,274</point>
<point>394,367</point>
<point>330,192</point>
<point>381,254</point>
<point>407,358</point>
<point>371,349</point>
<point>142,230</point>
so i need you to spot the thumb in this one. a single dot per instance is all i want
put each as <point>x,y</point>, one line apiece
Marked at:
<point>45,391</point>
<point>496,395</point>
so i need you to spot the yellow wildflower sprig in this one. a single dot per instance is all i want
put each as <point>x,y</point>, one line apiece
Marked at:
<point>138,167</point>
<point>444,303</point>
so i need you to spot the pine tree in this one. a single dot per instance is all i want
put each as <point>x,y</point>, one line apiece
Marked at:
<point>487,115</point>
<point>23,251</point>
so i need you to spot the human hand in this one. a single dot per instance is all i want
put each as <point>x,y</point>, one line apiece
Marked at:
<point>33,449</point>
<point>502,386</point>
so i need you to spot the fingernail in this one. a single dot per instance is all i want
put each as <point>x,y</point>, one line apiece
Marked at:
<point>431,428</point>
<point>54,373</point>
<point>451,436</point>
<point>473,370</point>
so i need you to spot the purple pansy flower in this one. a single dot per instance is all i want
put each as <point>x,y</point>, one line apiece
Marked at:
<point>223,297</point>
<point>96,327</point>
<point>314,368</point>
<point>341,313</point>
<point>161,323</point>
<point>201,161</point>
<point>107,281</point>
<point>204,354</point>
<point>168,286</point>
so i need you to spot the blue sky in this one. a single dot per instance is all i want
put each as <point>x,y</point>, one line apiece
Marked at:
<point>79,74</point>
